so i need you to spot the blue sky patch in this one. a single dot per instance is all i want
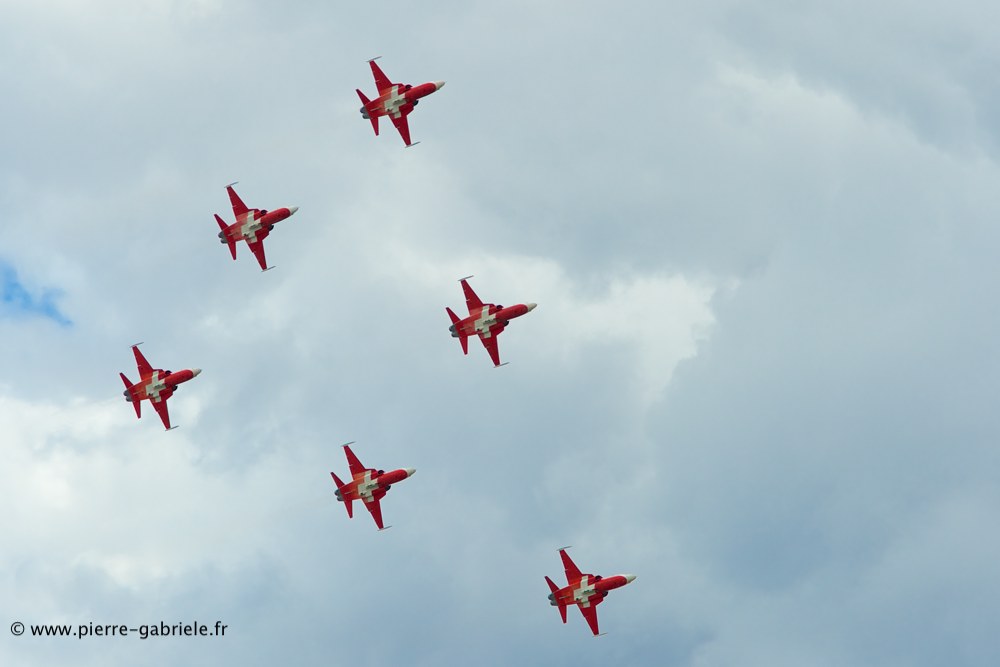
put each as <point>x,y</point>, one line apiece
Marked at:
<point>15,299</point>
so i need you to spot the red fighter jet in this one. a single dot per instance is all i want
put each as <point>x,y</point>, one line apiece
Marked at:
<point>252,225</point>
<point>395,100</point>
<point>154,384</point>
<point>484,319</point>
<point>586,590</point>
<point>367,485</point>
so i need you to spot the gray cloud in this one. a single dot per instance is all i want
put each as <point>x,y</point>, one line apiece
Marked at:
<point>759,375</point>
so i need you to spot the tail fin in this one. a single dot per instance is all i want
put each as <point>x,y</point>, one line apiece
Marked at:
<point>223,226</point>
<point>372,117</point>
<point>464,340</point>
<point>347,501</point>
<point>555,589</point>
<point>136,404</point>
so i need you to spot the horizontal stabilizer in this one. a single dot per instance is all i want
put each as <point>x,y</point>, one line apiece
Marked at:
<point>464,340</point>
<point>370,113</point>
<point>226,237</point>
<point>555,590</point>
<point>135,403</point>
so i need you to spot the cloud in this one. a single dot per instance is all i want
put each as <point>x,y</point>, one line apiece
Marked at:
<point>760,376</point>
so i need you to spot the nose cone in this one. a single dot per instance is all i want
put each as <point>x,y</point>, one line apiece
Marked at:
<point>195,372</point>
<point>292,210</point>
<point>629,578</point>
<point>410,471</point>
<point>532,306</point>
<point>438,85</point>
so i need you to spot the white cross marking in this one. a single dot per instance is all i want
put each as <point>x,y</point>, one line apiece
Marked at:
<point>154,387</point>
<point>483,322</point>
<point>366,485</point>
<point>250,227</point>
<point>394,101</point>
<point>582,594</point>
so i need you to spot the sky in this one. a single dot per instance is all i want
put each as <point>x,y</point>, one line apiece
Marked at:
<point>760,376</point>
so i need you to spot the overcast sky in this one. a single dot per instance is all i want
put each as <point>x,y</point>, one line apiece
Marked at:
<point>761,376</point>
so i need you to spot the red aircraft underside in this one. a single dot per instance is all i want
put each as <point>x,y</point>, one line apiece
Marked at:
<point>584,590</point>
<point>252,225</point>
<point>367,485</point>
<point>154,385</point>
<point>485,320</point>
<point>395,100</point>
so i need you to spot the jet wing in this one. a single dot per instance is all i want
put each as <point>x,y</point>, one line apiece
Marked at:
<point>161,409</point>
<point>572,571</point>
<point>353,463</point>
<point>239,208</point>
<point>145,370</point>
<point>471,300</point>
<point>376,511</point>
<point>381,80</point>
<point>257,248</point>
<point>590,613</point>
<point>402,126</point>
<point>490,343</point>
